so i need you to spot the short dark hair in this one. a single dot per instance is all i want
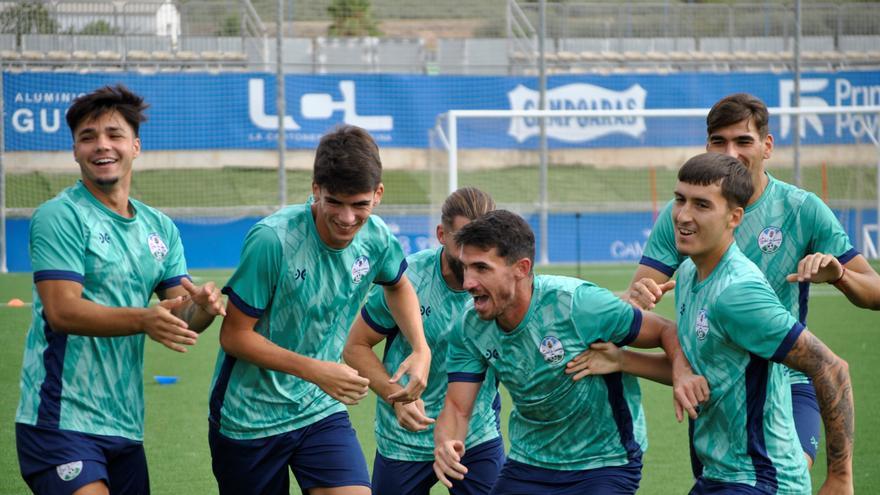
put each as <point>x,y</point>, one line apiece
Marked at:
<point>108,99</point>
<point>717,168</point>
<point>735,108</point>
<point>468,202</point>
<point>347,162</point>
<point>501,229</point>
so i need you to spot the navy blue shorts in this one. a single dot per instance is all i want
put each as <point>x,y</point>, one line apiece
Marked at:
<point>484,461</point>
<point>325,454</point>
<point>517,478</point>
<point>807,418</point>
<point>710,487</point>
<point>62,461</point>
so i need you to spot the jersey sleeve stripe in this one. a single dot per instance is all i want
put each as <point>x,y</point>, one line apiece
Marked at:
<point>848,256</point>
<point>241,305</point>
<point>467,377</point>
<point>172,282</point>
<point>375,326</point>
<point>402,269</point>
<point>657,265</point>
<point>634,328</point>
<point>58,275</point>
<point>788,342</point>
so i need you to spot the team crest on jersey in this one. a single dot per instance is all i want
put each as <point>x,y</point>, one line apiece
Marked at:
<point>769,240</point>
<point>552,350</point>
<point>70,470</point>
<point>702,325</point>
<point>157,246</point>
<point>360,268</point>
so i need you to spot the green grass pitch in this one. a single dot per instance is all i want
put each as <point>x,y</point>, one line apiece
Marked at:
<point>176,415</point>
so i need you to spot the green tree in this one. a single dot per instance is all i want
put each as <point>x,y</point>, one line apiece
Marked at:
<point>27,18</point>
<point>230,26</point>
<point>99,27</point>
<point>352,18</point>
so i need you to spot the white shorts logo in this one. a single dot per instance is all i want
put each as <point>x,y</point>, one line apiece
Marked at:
<point>769,240</point>
<point>551,349</point>
<point>360,268</point>
<point>157,246</point>
<point>70,470</point>
<point>702,325</point>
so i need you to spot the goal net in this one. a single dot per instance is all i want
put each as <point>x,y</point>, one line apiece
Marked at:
<point>607,173</point>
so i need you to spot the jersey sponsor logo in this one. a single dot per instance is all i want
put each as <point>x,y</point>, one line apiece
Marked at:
<point>157,246</point>
<point>769,240</point>
<point>552,350</point>
<point>702,324</point>
<point>69,471</point>
<point>360,268</point>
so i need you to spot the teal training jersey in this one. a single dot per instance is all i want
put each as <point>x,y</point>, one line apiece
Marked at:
<point>733,330</point>
<point>441,308</point>
<point>94,384</point>
<point>777,231</point>
<point>557,423</point>
<point>305,296</point>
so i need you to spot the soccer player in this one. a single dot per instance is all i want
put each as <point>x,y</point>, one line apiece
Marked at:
<point>734,331</point>
<point>279,391</point>
<point>98,255</point>
<point>404,432</point>
<point>791,235</point>
<point>566,436</point>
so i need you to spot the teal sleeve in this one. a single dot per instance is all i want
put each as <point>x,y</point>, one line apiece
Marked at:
<point>376,312</point>
<point>599,315</point>
<point>828,235</point>
<point>175,261</point>
<point>464,363</point>
<point>751,316</point>
<point>393,263</point>
<point>660,252</point>
<point>252,285</point>
<point>57,240</point>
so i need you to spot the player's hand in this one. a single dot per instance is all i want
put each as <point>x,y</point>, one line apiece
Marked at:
<point>817,268</point>
<point>162,326</point>
<point>416,366</point>
<point>600,359</point>
<point>412,415</point>
<point>341,382</point>
<point>447,462</point>
<point>688,392</point>
<point>207,297</point>
<point>835,485</point>
<point>646,293</point>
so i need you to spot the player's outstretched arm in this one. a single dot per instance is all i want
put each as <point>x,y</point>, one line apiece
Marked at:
<point>238,338</point>
<point>647,287</point>
<point>404,305</point>
<point>830,375</point>
<point>603,358</point>
<point>67,312</point>
<point>688,389</point>
<point>856,279</point>
<point>202,303</point>
<point>359,354</point>
<point>451,430</point>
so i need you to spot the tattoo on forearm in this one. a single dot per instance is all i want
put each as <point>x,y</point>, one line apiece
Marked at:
<point>830,376</point>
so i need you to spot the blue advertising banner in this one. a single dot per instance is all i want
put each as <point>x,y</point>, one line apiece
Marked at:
<point>191,111</point>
